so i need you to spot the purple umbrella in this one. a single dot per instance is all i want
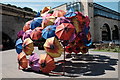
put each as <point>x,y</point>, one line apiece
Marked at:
<point>20,34</point>
<point>61,20</point>
<point>33,62</point>
<point>27,34</point>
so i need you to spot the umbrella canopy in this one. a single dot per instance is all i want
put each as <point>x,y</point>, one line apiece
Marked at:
<point>58,13</point>
<point>65,31</point>
<point>76,49</point>
<point>28,46</point>
<point>88,43</point>
<point>36,22</point>
<point>45,10</point>
<point>47,63</point>
<point>53,47</point>
<point>27,26</point>
<point>49,31</point>
<point>61,20</point>
<point>38,14</point>
<point>84,49</point>
<point>33,62</point>
<point>48,21</point>
<point>22,61</point>
<point>87,21</point>
<point>18,45</point>
<point>20,34</point>
<point>89,36</point>
<point>36,33</point>
<point>69,49</point>
<point>27,34</point>
<point>70,13</point>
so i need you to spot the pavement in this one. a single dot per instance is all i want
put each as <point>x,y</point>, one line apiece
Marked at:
<point>94,65</point>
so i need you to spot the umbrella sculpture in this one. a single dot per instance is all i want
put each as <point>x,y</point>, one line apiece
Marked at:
<point>22,61</point>
<point>36,23</point>
<point>53,47</point>
<point>18,45</point>
<point>49,31</point>
<point>28,46</point>
<point>64,32</point>
<point>33,62</point>
<point>36,33</point>
<point>27,26</point>
<point>47,63</point>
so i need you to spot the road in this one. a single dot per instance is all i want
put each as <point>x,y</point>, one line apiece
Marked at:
<point>94,65</point>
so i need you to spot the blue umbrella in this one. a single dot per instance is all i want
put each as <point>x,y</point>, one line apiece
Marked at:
<point>49,31</point>
<point>36,22</point>
<point>86,29</point>
<point>19,45</point>
<point>70,13</point>
<point>38,14</point>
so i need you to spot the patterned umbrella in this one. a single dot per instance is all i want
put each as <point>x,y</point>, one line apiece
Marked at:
<point>28,46</point>
<point>45,10</point>
<point>18,45</point>
<point>49,31</point>
<point>65,31</point>
<point>20,34</point>
<point>47,63</point>
<point>22,61</point>
<point>53,47</point>
<point>26,34</point>
<point>70,13</point>
<point>36,33</point>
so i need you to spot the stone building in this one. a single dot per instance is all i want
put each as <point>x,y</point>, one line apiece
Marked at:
<point>104,21</point>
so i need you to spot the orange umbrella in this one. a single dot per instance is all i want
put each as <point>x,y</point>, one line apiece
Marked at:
<point>53,47</point>
<point>65,31</point>
<point>45,10</point>
<point>48,21</point>
<point>22,61</point>
<point>59,13</point>
<point>47,63</point>
<point>89,36</point>
<point>36,33</point>
<point>28,46</point>
<point>27,26</point>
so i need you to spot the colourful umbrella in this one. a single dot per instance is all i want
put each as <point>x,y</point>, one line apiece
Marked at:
<point>65,31</point>
<point>22,61</point>
<point>48,21</point>
<point>18,45</point>
<point>27,26</point>
<point>86,29</point>
<point>58,13</point>
<point>70,13</point>
<point>27,34</point>
<point>88,43</point>
<point>36,33</point>
<point>36,22</point>
<point>47,63</point>
<point>53,47</point>
<point>33,62</point>
<point>89,36</point>
<point>38,14</point>
<point>20,34</point>
<point>45,10</point>
<point>28,46</point>
<point>49,31</point>
<point>69,49</point>
<point>61,20</point>
<point>87,21</point>
<point>76,49</point>
<point>84,49</point>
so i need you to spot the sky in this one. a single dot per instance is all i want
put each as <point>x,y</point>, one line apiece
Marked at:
<point>37,5</point>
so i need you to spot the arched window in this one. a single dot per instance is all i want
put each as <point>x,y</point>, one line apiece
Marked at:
<point>115,33</point>
<point>106,33</point>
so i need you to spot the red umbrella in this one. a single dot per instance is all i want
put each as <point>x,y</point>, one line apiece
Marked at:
<point>36,33</point>
<point>65,31</point>
<point>69,49</point>
<point>47,63</point>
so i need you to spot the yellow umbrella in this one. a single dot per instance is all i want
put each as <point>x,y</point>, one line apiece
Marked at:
<point>28,46</point>
<point>53,47</point>
<point>48,21</point>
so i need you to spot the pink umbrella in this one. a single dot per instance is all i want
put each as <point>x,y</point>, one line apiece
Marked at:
<point>27,26</point>
<point>33,62</point>
<point>20,34</point>
<point>26,34</point>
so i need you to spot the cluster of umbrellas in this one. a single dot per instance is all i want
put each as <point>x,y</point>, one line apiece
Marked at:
<point>63,31</point>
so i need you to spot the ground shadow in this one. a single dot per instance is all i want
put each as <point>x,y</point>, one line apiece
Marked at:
<point>87,65</point>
